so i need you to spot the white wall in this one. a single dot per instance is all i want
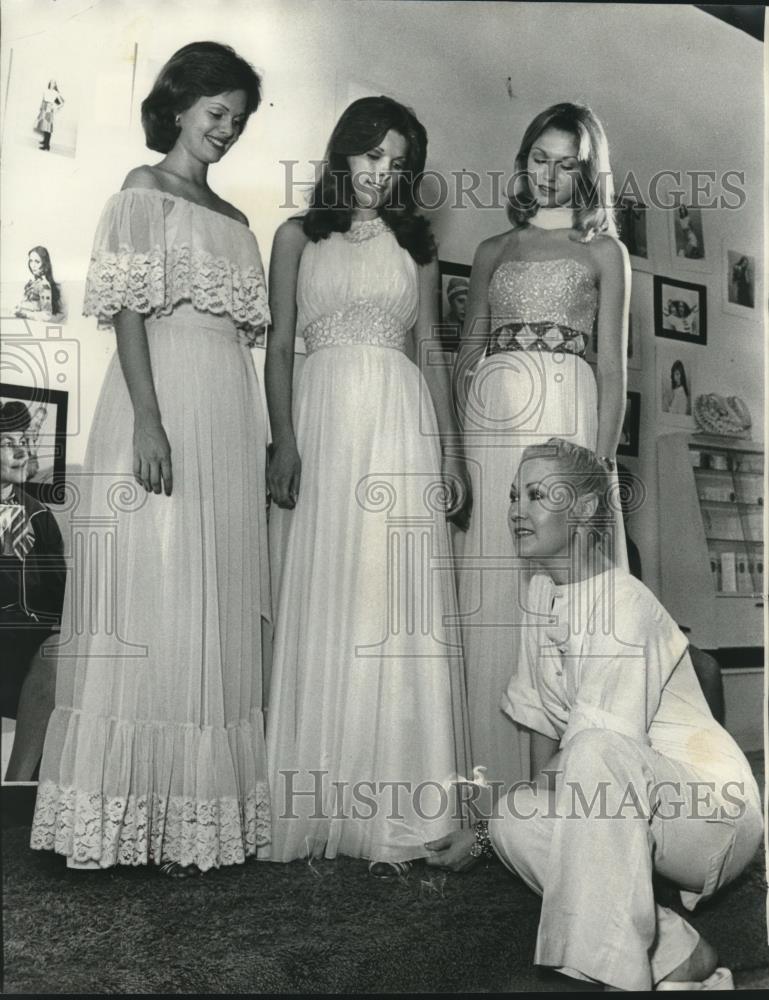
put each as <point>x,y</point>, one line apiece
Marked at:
<point>676,89</point>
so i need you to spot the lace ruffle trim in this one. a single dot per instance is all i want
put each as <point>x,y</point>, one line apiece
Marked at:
<point>158,280</point>
<point>151,829</point>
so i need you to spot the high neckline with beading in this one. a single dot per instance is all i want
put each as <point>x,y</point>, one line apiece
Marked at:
<point>362,230</point>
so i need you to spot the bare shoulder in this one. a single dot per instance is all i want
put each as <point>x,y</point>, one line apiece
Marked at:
<point>144,176</point>
<point>609,253</point>
<point>229,210</point>
<point>290,236</point>
<point>491,249</point>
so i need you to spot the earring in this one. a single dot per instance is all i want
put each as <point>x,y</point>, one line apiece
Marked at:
<point>178,121</point>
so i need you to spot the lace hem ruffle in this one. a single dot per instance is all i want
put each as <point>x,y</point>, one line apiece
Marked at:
<point>158,280</point>
<point>133,830</point>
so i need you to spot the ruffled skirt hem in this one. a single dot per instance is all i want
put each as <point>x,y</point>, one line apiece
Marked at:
<point>150,792</point>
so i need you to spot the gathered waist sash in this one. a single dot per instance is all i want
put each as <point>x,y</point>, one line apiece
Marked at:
<point>539,336</point>
<point>363,323</point>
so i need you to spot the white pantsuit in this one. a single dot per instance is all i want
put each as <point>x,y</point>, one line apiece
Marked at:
<point>645,781</point>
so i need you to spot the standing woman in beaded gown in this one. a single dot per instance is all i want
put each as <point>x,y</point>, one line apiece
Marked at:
<point>155,750</point>
<point>537,292</point>
<point>367,683</point>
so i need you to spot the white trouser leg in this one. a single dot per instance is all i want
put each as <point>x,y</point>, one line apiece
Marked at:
<point>593,864</point>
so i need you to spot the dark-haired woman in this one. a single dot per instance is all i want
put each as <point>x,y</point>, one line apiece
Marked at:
<point>366,713</point>
<point>537,292</point>
<point>42,295</point>
<point>155,753</point>
<point>678,394</point>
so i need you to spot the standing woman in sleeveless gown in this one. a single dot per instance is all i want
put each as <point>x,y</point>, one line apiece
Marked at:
<point>155,750</point>
<point>367,683</point>
<point>537,291</point>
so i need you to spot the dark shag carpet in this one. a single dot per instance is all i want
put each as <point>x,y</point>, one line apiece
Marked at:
<point>296,929</point>
<point>325,928</point>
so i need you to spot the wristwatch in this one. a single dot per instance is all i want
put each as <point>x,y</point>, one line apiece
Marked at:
<point>610,464</point>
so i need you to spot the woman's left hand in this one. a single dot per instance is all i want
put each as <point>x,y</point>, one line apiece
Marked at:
<point>452,851</point>
<point>457,481</point>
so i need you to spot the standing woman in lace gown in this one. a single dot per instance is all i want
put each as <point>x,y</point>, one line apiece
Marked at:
<point>367,683</point>
<point>537,292</point>
<point>155,750</point>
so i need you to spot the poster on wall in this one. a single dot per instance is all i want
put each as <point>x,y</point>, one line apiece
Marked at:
<point>680,310</point>
<point>36,437</point>
<point>740,275</point>
<point>631,426</point>
<point>689,245</point>
<point>41,299</point>
<point>454,289</point>
<point>42,109</point>
<point>676,375</point>
<point>632,218</point>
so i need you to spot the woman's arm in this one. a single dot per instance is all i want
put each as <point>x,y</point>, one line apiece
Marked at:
<point>476,328</point>
<point>439,385</point>
<point>152,451</point>
<point>284,471</point>
<point>613,265</point>
<point>543,750</point>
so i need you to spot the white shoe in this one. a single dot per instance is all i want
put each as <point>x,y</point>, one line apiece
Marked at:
<point>721,979</point>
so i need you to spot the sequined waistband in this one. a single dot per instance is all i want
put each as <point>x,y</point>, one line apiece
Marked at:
<point>541,336</point>
<point>363,323</point>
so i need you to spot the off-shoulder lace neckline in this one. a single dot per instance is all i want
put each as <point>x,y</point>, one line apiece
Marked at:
<point>187,201</point>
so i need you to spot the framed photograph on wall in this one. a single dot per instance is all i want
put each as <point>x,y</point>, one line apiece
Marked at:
<point>680,310</point>
<point>631,426</point>
<point>452,303</point>
<point>677,377</point>
<point>39,419</point>
<point>740,275</point>
<point>632,220</point>
<point>689,245</point>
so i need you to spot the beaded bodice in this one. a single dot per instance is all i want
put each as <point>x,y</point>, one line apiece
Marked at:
<point>356,288</point>
<point>542,305</point>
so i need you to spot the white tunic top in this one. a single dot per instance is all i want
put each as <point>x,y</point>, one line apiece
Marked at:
<point>604,654</point>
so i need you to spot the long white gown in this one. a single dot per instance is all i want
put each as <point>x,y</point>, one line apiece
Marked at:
<point>533,383</point>
<point>155,750</point>
<point>367,683</point>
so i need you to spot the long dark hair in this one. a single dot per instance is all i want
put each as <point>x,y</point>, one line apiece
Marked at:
<point>593,211</point>
<point>362,127</point>
<point>47,272</point>
<point>677,366</point>
<point>200,69</point>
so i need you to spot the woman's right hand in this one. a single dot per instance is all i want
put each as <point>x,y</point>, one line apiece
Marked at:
<point>284,473</point>
<point>152,457</point>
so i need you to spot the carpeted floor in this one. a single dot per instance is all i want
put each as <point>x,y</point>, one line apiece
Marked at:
<point>299,928</point>
<point>293,929</point>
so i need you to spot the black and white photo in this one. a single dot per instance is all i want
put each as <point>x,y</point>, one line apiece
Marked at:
<point>680,310</point>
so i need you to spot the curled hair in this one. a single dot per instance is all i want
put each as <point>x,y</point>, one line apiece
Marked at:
<point>584,472</point>
<point>594,194</point>
<point>47,271</point>
<point>14,416</point>
<point>363,125</point>
<point>200,69</point>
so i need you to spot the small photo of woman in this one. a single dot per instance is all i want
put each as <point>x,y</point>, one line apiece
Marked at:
<point>42,300</point>
<point>676,379</point>
<point>50,104</point>
<point>675,395</point>
<point>741,271</point>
